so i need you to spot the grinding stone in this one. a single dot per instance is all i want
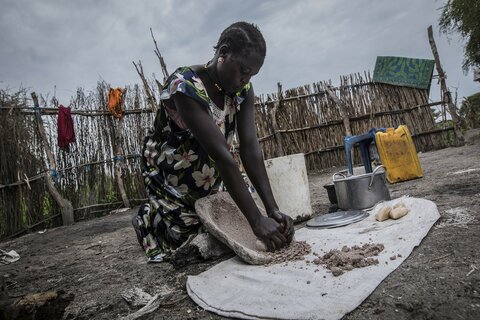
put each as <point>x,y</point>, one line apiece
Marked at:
<point>222,218</point>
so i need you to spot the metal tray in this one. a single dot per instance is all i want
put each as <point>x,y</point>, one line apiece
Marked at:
<point>337,219</point>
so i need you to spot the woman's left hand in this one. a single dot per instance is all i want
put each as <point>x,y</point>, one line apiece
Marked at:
<point>286,222</point>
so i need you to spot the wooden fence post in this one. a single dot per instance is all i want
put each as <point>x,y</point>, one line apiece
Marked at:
<point>279,151</point>
<point>446,96</point>
<point>342,108</point>
<point>119,158</point>
<point>66,207</point>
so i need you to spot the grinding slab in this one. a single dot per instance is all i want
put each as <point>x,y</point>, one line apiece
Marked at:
<point>222,218</point>
<point>337,219</point>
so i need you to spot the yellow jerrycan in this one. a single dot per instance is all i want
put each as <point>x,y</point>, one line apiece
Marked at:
<point>398,154</point>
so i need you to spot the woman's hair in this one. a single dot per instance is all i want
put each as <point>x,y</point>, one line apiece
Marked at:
<point>242,38</point>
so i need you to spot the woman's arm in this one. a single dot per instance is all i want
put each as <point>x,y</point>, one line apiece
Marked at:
<point>252,160</point>
<point>213,142</point>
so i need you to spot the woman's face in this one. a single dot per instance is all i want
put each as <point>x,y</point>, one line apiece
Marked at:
<point>237,70</point>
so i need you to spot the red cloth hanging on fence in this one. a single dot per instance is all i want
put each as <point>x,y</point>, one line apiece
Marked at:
<point>66,133</point>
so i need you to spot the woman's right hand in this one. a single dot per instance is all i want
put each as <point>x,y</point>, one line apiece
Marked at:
<point>270,232</point>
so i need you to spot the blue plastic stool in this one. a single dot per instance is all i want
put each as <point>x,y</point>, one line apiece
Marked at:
<point>363,141</point>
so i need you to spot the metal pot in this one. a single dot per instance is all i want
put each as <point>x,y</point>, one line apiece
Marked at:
<point>332,197</point>
<point>361,191</point>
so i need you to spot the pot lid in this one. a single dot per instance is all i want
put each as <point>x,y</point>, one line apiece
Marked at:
<point>337,219</point>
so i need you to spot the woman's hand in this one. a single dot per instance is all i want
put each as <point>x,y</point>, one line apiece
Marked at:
<point>285,222</point>
<point>269,231</point>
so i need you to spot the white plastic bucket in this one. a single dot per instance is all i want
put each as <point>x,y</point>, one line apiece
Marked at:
<point>289,182</point>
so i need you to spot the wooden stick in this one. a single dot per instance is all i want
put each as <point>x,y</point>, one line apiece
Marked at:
<point>318,93</point>
<point>160,58</point>
<point>156,301</point>
<point>325,149</point>
<point>99,205</point>
<point>446,96</point>
<point>413,136</point>
<point>432,131</point>
<point>293,98</point>
<point>146,86</point>
<point>343,110</point>
<point>107,204</point>
<point>100,162</point>
<point>53,111</point>
<point>20,182</point>
<point>440,258</point>
<point>42,175</point>
<point>66,207</point>
<point>279,151</point>
<point>119,160</point>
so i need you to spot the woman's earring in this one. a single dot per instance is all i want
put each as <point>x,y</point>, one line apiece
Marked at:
<point>221,60</point>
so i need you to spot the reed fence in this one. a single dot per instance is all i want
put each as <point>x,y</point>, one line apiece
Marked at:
<point>311,119</point>
<point>314,119</point>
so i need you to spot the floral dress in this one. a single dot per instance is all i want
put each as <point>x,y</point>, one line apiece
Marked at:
<point>176,170</point>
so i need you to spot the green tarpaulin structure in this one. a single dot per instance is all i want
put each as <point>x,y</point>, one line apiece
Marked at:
<point>401,71</point>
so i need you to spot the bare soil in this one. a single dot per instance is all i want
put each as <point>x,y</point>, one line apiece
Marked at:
<point>99,259</point>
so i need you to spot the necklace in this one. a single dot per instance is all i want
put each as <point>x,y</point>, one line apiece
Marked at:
<point>219,88</point>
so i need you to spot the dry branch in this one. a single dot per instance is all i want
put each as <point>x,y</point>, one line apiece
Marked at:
<point>160,58</point>
<point>446,95</point>
<point>146,86</point>
<point>54,111</point>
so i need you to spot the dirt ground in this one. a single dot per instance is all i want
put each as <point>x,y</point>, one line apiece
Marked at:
<point>99,259</point>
